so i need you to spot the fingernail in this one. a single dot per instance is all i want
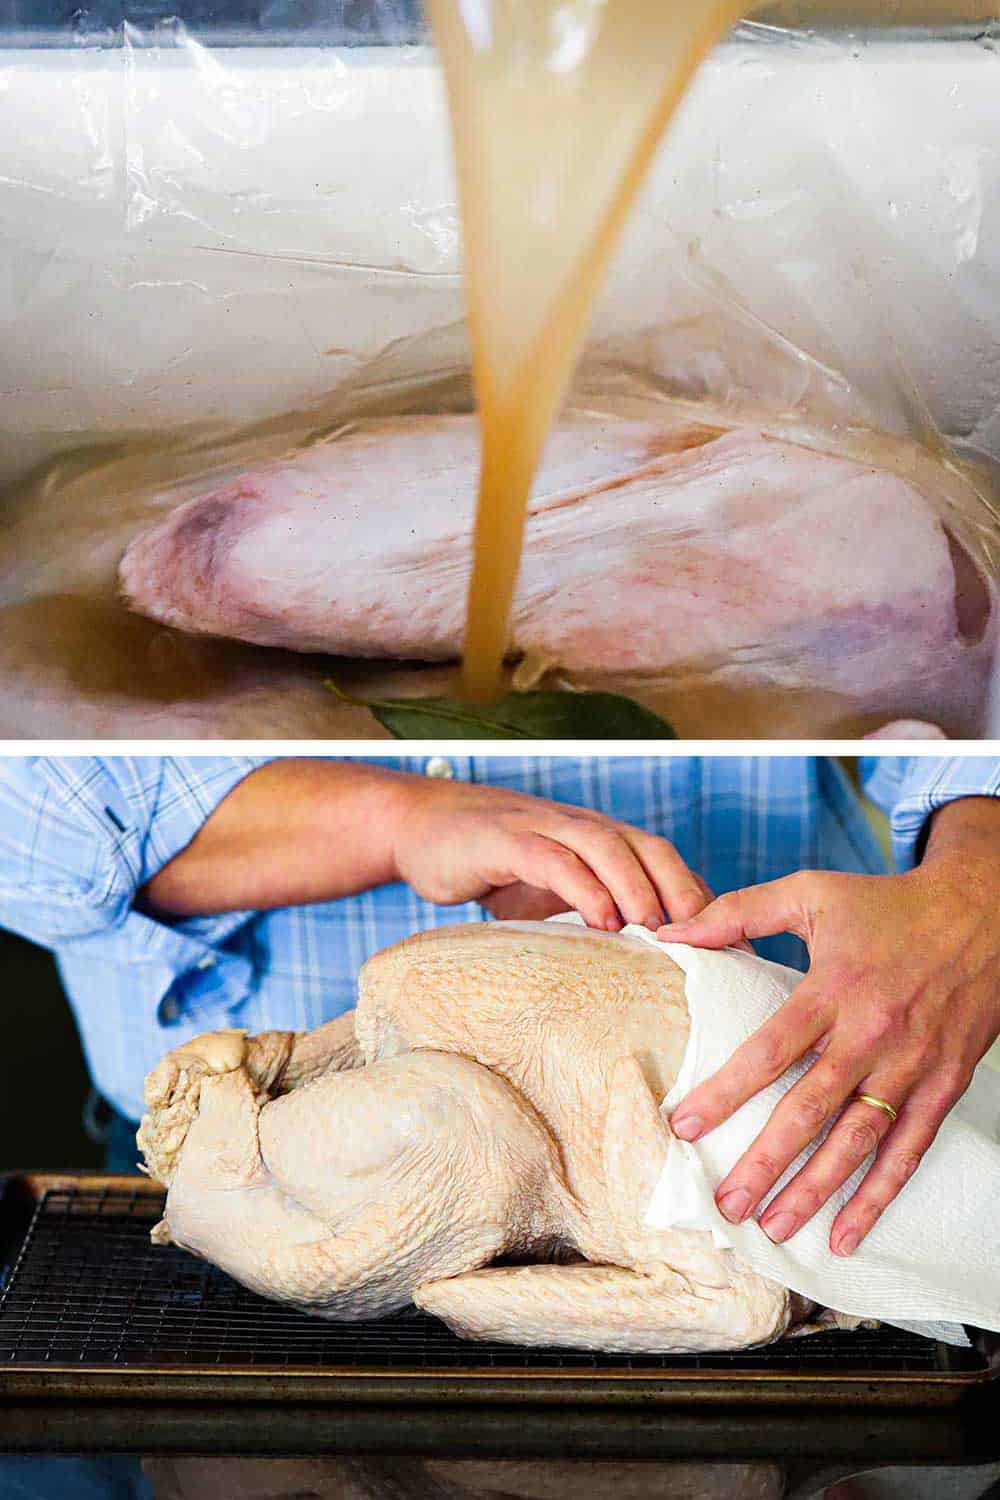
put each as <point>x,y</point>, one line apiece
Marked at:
<point>688,1127</point>
<point>848,1242</point>
<point>674,926</point>
<point>781,1227</point>
<point>612,925</point>
<point>735,1205</point>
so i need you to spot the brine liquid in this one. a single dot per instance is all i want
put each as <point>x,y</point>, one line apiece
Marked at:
<point>557,107</point>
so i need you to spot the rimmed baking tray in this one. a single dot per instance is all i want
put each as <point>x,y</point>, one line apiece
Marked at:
<point>90,1309</point>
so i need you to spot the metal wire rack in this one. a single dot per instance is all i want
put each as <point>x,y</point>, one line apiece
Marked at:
<point>86,1287</point>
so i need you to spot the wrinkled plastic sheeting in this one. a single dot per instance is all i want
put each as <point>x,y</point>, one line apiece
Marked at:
<point>206,237</point>
<point>210,238</point>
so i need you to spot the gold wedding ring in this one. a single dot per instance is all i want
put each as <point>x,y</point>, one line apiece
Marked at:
<point>876,1103</point>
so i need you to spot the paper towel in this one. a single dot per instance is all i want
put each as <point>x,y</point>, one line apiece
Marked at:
<point>930,1264</point>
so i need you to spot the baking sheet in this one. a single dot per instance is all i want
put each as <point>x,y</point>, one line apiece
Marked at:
<point>90,1309</point>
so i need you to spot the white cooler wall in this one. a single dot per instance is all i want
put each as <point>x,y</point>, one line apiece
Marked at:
<point>190,236</point>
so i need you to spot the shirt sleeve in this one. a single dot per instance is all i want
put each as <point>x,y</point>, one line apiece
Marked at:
<point>79,835</point>
<point>910,789</point>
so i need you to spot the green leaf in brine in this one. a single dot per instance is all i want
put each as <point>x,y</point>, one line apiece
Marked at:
<point>542,715</point>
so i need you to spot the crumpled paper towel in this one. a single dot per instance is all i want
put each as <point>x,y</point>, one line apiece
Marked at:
<point>930,1264</point>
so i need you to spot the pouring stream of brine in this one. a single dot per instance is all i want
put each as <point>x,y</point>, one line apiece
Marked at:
<point>557,107</point>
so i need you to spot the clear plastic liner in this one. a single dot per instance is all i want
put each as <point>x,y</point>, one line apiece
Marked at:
<point>226,235</point>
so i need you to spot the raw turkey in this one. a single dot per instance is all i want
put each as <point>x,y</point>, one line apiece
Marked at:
<point>493,1097</point>
<point>657,551</point>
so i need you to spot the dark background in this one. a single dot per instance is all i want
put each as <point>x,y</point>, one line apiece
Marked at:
<point>43,1078</point>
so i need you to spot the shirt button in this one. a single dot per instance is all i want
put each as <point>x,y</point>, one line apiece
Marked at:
<point>169,1009</point>
<point>439,768</point>
<point>208,962</point>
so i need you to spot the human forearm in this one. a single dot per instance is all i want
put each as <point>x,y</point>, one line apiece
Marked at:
<point>294,831</point>
<point>967,830</point>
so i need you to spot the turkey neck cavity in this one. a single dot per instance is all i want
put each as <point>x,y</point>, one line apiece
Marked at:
<point>557,107</point>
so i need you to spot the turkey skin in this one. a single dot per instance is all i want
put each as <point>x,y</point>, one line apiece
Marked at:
<point>481,1136</point>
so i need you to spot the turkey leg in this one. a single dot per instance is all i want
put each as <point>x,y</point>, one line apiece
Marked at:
<point>605,1307</point>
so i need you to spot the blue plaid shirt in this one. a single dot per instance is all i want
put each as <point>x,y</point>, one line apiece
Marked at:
<point>80,835</point>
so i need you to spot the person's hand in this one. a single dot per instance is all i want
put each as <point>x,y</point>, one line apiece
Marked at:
<point>901,1001</point>
<point>297,831</point>
<point>521,856</point>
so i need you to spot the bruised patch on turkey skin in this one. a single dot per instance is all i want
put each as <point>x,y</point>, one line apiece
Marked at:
<point>204,536</point>
<point>187,558</point>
